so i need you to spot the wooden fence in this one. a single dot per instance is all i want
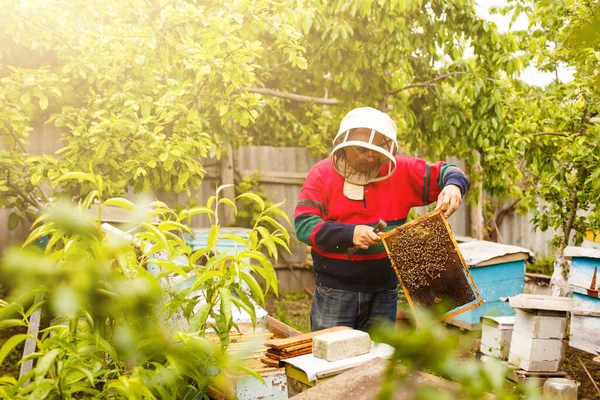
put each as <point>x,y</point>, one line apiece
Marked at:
<point>282,172</point>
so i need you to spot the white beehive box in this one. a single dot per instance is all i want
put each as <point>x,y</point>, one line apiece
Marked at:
<point>540,324</point>
<point>496,333</point>
<point>532,354</point>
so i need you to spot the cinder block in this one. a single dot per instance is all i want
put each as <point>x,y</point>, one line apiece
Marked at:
<point>342,344</point>
<point>540,325</point>
<point>533,354</point>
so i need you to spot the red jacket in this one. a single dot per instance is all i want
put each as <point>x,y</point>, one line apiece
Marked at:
<point>325,219</point>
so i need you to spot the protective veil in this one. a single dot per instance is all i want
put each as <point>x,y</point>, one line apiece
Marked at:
<point>364,131</point>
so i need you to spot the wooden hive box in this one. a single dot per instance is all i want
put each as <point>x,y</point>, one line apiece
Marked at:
<point>496,334</point>
<point>540,325</point>
<point>584,282</point>
<point>430,267</point>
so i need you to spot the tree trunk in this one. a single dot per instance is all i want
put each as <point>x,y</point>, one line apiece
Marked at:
<point>476,209</point>
<point>227,178</point>
<point>558,282</point>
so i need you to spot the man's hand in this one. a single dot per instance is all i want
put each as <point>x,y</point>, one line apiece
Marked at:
<point>364,237</point>
<point>448,200</point>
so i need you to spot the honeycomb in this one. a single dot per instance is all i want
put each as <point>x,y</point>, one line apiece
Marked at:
<point>428,264</point>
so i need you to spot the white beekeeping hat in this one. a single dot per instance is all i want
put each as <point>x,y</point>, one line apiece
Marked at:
<point>382,140</point>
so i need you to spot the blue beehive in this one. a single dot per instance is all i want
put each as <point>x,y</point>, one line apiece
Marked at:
<point>498,270</point>
<point>584,282</point>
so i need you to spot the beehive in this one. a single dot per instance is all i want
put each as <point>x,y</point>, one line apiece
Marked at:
<point>430,268</point>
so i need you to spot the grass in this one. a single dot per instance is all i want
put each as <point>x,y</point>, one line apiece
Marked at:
<point>292,309</point>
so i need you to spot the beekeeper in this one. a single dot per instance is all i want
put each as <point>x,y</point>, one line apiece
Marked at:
<point>364,180</point>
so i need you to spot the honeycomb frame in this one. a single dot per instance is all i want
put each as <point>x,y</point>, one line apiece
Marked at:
<point>423,280</point>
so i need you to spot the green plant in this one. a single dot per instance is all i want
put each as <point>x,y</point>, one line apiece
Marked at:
<point>111,334</point>
<point>248,210</point>
<point>542,265</point>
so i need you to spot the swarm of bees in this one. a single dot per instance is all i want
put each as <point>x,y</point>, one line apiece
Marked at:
<point>421,254</point>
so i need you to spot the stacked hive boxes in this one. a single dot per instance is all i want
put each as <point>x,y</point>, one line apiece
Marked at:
<point>584,281</point>
<point>540,325</point>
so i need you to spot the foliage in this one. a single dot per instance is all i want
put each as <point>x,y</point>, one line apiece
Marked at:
<point>542,265</point>
<point>436,349</point>
<point>444,104</point>
<point>552,137</point>
<point>139,91</point>
<point>248,210</point>
<point>109,337</point>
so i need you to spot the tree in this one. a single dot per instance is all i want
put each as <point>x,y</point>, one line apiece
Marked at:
<point>553,131</point>
<point>141,91</point>
<point>407,58</point>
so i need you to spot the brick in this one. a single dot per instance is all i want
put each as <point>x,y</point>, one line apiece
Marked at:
<point>339,345</point>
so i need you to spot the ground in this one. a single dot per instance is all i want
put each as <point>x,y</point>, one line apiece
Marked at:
<point>294,310</point>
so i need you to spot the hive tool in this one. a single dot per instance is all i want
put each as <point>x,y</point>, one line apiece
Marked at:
<point>381,225</point>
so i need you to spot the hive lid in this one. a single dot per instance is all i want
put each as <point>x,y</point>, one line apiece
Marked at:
<point>504,322</point>
<point>575,251</point>
<point>430,267</point>
<point>478,253</point>
<point>540,302</point>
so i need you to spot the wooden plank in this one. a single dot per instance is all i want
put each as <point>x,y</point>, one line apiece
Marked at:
<point>274,177</point>
<point>31,342</point>
<point>298,347</point>
<point>280,356</point>
<point>304,338</point>
<point>270,362</point>
<point>280,329</point>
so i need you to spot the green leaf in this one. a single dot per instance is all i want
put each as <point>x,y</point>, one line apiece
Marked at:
<point>254,286</point>
<point>225,295</point>
<point>10,344</point>
<point>268,241</point>
<point>44,364</point>
<point>253,197</point>
<point>213,235</point>
<point>203,278</point>
<point>25,98</point>
<point>10,323</point>
<point>13,220</point>
<point>170,266</point>
<point>78,176</point>
<point>229,203</point>
<point>43,102</point>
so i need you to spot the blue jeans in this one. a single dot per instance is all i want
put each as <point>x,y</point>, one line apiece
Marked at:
<point>334,307</point>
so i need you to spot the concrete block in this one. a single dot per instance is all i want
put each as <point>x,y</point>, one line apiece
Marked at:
<point>533,354</point>
<point>339,345</point>
<point>536,325</point>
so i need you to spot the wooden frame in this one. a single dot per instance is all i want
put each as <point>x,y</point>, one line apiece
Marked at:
<point>457,310</point>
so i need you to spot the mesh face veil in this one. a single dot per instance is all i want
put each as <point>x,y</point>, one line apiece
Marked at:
<point>364,149</point>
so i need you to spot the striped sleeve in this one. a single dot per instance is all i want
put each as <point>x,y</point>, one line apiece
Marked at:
<point>430,178</point>
<point>310,218</point>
